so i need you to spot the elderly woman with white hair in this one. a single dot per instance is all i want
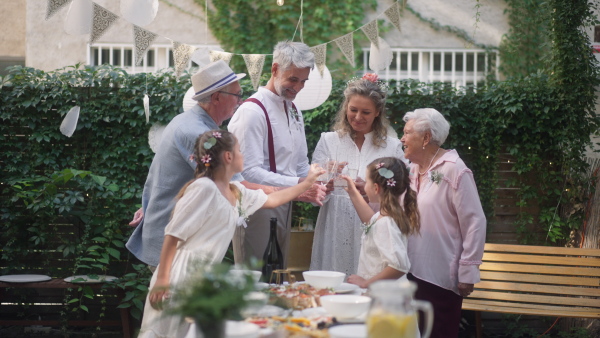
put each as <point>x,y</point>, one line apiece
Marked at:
<point>446,255</point>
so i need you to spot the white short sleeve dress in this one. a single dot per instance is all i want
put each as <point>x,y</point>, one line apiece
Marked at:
<point>204,220</point>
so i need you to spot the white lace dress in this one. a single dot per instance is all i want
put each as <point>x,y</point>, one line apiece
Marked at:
<point>383,245</point>
<point>336,244</point>
<point>205,221</point>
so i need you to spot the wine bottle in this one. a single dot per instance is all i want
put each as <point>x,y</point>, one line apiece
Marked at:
<point>272,258</point>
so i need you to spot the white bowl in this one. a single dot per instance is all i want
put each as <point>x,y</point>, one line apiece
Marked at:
<point>255,274</point>
<point>324,279</point>
<point>346,306</point>
<point>348,331</point>
<point>235,329</point>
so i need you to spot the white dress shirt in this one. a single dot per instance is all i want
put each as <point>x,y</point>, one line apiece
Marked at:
<point>248,124</point>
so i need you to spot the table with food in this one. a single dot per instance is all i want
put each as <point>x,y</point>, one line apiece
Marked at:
<point>323,307</point>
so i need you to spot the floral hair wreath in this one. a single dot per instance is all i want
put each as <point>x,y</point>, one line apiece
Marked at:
<point>209,144</point>
<point>372,77</point>
<point>386,173</point>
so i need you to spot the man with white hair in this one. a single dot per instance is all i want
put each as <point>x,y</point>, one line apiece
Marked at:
<point>271,134</point>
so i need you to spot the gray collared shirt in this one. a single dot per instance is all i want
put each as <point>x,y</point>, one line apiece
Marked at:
<point>170,170</point>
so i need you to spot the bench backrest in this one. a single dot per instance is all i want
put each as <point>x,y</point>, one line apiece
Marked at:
<point>538,280</point>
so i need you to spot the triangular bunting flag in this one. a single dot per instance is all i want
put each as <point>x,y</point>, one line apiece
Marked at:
<point>54,6</point>
<point>393,13</point>
<point>372,32</point>
<point>216,55</point>
<point>320,52</point>
<point>254,63</point>
<point>181,55</point>
<point>142,39</point>
<point>102,19</point>
<point>346,45</point>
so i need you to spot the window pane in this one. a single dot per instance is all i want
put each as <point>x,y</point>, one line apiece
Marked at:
<point>117,57</point>
<point>128,57</point>
<point>95,60</point>
<point>437,61</point>
<point>105,56</point>
<point>171,62</point>
<point>150,58</point>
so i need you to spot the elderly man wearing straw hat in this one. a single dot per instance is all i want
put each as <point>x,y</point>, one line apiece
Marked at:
<point>218,93</point>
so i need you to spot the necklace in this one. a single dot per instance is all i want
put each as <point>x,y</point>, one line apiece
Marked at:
<point>430,162</point>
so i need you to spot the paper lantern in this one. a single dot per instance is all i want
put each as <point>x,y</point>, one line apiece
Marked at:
<point>79,17</point>
<point>188,103</point>
<point>380,58</point>
<point>139,12</point>
<point>155,136</point>
<point>316,90</point>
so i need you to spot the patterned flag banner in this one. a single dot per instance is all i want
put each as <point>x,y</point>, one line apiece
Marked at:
<point>216,55</point>
<point>346,45</point>
<point>181,56</point>
<point>393,14</point>
<point>142,39</point>
<point>54,6</point>
<point>372,32</point>
<point>102,19</point>
<point>254,63</point>
<point>320,52</point>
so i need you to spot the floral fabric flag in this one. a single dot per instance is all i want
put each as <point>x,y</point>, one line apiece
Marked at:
<point>142,39</point>
<point>102,19</point>
<point>320,52</point>
<point>254,63</point>
<point>181,55</point>
<point>54,6</point>
<point>346,45</point>
<point>216,55</point>
<point>393,14</point>
<point>372,32</point>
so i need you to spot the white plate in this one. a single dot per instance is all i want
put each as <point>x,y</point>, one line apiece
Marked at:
<point>345,288</point>
<point>260,285</point>
<point>348,331</point>
<point>85,279</point>
<point>24,278</point>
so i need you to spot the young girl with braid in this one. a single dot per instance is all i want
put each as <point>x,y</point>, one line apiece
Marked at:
<point>204,221</point>
<point>383,252</point>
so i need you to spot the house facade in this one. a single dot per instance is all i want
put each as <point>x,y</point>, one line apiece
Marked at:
<point>420,51</point>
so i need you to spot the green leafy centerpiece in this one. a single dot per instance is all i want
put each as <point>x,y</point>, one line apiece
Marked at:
<point>212,295</point>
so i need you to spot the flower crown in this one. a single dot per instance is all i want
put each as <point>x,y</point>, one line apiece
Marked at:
<point>386,173</point>
<point>372,77</point>
<point>209,144</point>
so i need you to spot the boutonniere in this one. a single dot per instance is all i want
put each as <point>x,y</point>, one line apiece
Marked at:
<point>367,227</point>
<point>294,113</point>
<point>436,176</point>
<point>243,218</point>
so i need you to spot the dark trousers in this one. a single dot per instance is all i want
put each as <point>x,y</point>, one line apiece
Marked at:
<point>446,308</point>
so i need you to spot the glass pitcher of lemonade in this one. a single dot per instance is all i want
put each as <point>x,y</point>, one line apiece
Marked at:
<point>393,312</point>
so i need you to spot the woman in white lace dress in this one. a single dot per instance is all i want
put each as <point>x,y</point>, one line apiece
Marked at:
<point>360,136</point>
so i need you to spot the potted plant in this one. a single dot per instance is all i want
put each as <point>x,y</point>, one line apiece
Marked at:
<point>211,296</point>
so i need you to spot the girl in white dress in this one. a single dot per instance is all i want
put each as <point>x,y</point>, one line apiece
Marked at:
<point>361,134</point>
<point>203,223</point>
<point>383,252</point>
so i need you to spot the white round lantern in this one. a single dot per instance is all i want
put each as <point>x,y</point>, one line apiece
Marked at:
<point>139,12</point>
<point>79,17</point>
<point>155,136</point>
<point>188,103</point>
<point>380,58</point>
<point>316,90</point>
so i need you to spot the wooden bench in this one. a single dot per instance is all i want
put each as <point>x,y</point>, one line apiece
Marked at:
<point>537,280</point>
<point>58,283</point>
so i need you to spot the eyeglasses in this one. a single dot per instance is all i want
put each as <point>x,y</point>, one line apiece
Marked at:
<point>240,96</point>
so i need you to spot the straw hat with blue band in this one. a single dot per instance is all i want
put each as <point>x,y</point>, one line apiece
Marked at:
<point>213,77</point>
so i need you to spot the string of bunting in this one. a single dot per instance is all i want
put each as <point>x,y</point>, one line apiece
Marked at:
<point>102,19</point>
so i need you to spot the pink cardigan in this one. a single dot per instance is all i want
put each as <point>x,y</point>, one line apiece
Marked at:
<point>450,246</point>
